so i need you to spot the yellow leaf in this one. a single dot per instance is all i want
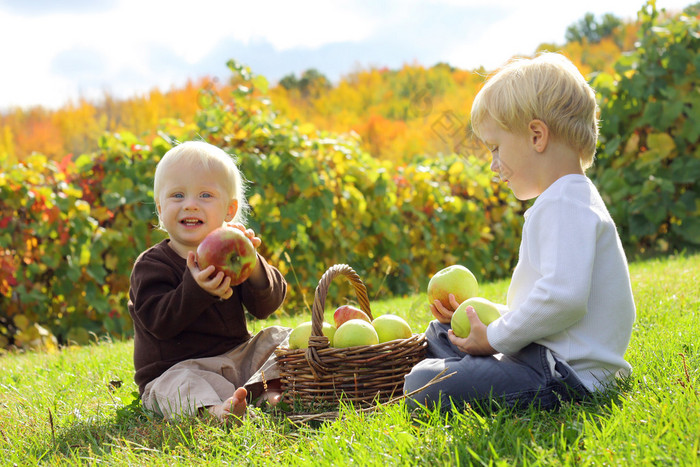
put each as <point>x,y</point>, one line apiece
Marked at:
<point>82,206</point>
<point>659,147</point>
<point>255,200</point>
<point>661,143</point>
<point>456,168</point>
<point>306,128</point>
<point>111,261</point>
<point>21,321</point>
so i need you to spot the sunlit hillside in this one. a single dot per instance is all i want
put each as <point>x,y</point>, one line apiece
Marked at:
<point>397,113</point>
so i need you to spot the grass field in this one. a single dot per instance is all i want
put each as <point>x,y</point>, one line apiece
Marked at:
<point>77,407</point>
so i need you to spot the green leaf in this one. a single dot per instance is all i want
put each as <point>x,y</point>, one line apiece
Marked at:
<point>685,170</point>
<point>689,229</point>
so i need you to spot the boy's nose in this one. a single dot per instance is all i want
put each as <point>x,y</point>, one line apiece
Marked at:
<point>495,166</point>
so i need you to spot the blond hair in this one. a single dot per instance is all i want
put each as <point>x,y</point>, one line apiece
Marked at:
<point>548,88</point>
<point>210,158</point>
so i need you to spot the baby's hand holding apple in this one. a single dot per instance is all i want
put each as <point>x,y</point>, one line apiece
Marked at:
<point>213,282</point>
<point>250,233</point>
<point>230,250</point>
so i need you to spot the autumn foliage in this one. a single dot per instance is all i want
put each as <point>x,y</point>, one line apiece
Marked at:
<point>379,171</point>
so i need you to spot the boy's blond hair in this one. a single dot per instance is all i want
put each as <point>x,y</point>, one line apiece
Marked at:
<point>549,88</point>
<point>211,158</point>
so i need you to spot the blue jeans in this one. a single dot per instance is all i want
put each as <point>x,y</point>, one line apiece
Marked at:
<point>519,379</point>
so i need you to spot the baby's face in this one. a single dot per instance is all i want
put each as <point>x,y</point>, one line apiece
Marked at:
<point>193,201</point>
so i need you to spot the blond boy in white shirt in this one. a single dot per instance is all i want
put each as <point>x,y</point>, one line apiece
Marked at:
<point>570,309</point>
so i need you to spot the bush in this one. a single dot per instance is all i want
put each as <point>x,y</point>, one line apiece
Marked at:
<point>318,199</point>
<point>70,233</point>
<point>649,157</point>
<point>72,230</point>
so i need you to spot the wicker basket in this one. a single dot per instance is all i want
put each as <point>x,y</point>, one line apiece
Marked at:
<point>363,375</point>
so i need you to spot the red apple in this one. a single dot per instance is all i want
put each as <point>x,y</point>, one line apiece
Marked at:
<point>230,251</point>
<point>348,312</point>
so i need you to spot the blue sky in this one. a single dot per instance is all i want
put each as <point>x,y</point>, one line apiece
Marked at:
<point>56,51</point>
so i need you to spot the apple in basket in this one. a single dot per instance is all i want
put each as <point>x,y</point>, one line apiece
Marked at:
<point>390,327</point>
<point>455,279</point>
<point>299,337</point>
<point>355,332</point>
<point>485,309</point>
<point>347,312</point>
<point>230,251</point>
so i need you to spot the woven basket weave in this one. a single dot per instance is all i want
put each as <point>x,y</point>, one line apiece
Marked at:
<point>362,375</point>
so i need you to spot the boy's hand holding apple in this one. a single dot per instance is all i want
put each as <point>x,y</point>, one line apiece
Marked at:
<point>442,313</point>
<point>448,288</point>
<point>476,343</point>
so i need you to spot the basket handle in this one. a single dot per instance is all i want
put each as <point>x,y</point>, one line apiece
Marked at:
<point>317,340</point>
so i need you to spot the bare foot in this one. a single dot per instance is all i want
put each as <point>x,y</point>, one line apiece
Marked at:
<point>272,394</point>
<point>233,408</point>
<point>272,397</point>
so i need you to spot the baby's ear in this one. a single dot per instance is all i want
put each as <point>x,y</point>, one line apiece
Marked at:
<point>232,210</point>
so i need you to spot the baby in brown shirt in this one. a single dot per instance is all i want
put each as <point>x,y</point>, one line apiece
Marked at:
<point>192,348</point>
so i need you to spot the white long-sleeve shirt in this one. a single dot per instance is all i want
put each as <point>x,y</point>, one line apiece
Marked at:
<point>570,290</point>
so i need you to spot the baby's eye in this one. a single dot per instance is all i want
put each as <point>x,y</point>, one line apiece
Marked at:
<point>206,195</point>
<point>177,195</point>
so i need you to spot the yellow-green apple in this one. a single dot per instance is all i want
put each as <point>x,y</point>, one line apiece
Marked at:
<point>455,279</point>
<point>355,332</point>
<point>485,309</point>
<point>299,337</point>
<point>230,251</point>
<point>390,327</point>
<point>347,312</point>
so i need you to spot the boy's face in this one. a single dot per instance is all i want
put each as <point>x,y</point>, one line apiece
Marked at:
<point>514,159</point>
<point>193,202</point>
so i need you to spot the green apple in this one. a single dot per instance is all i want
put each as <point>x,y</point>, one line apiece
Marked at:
<point>455,279</point>
<point>355,332</point>
<point>485,309</point>
<point>299,337</point>
<point>390,327</point>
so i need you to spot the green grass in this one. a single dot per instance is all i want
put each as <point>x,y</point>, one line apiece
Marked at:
<point>63,408</point>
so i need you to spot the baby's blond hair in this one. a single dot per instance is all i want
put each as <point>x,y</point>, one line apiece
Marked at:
<point>211,158</point>
<point>548,88</point>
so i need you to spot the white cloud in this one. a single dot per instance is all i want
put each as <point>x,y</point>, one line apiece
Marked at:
<point>124,35</point>
<point>120,38</point>
<point>523,26</point>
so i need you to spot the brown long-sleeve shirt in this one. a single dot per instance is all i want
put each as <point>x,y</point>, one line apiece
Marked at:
<point>175,319</point>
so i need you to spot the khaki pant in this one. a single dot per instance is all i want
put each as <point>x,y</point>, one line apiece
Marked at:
<point>202,382</point>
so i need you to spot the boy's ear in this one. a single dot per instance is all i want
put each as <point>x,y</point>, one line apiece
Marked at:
<point>539,135</point>
<point>232,210</point>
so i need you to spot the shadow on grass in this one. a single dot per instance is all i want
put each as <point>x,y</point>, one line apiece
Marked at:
<point>517,434</point>
<point>131,428</point>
